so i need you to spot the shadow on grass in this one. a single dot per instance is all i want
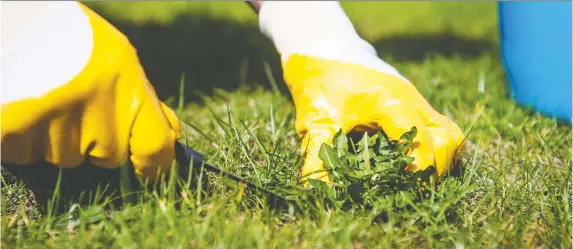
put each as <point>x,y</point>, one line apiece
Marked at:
<point>416,48</point>
<point>214,53</point>
<point>211,53</point>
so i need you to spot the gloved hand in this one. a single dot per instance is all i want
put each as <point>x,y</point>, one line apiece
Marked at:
<point>81,95</point>
<point>338,82</point>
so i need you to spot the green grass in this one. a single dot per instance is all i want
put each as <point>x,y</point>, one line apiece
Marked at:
<point>515,190</point>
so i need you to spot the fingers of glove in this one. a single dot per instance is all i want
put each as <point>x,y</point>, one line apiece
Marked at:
<point>458,138</point>
<point>152,139</point>
<point>314,167</point>
<point>173,119</point>
<point>444,148</point>
<point>396,118</point>
<point>444,134</point>
<point>457,134</point>
<point>446,138</point>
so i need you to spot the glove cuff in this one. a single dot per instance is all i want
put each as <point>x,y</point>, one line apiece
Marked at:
<point>319,29</point>
<point>294,25</point>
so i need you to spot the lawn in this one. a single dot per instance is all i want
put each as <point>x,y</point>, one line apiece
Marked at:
<point>514,190</point>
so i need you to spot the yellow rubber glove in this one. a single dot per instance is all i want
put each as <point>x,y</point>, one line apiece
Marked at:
<point>338,82</point>
<point>107,113</point>
<point>330,95</point>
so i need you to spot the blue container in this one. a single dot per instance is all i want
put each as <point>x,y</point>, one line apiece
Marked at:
<point>536,52</point>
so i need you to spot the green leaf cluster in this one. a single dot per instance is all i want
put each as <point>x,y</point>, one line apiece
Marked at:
<point>363,172</point>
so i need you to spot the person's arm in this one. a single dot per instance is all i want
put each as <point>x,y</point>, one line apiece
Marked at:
<point>338,82</point>
<point>318,28</point>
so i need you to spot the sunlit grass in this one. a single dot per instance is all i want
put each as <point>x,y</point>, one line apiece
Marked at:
<point>515,190</point>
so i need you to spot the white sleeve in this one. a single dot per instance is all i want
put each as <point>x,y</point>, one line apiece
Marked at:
<point>44,45</point>
<point>320,29</point>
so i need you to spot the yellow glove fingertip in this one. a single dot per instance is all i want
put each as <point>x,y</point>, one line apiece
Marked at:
<point>173,120</point>
<point>314,167</point>
<point>422,159</point>
<point>152,141</point>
